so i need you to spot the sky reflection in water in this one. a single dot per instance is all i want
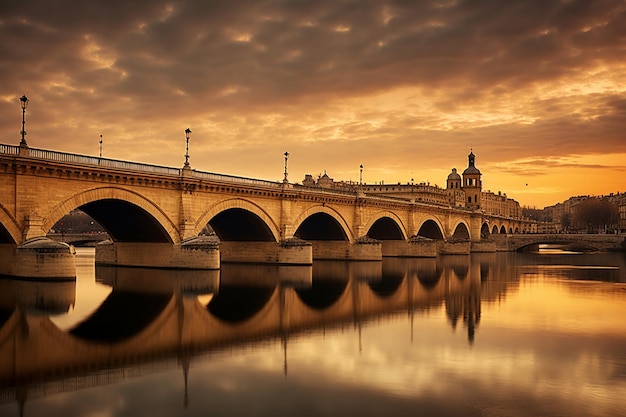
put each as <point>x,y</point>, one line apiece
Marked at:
<point>548,340</point>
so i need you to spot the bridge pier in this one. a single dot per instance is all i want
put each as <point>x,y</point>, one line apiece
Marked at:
<point>416,247</point>
<point>364,249</point>
<point>198,253</point>
<point>454,247</point>
<point>483,246</point>
<point>287,252</point>
<point>38,258</point>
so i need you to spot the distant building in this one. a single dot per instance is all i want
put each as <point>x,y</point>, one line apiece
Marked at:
<point>472,184</point>
<point>562,216</point>
<point>619,200</point>
<point>454,186</point>
<point>422,192</point>
<point>460,192</point>
<point>474,196</point>
<point>622,216</point>
<point>500,205</point>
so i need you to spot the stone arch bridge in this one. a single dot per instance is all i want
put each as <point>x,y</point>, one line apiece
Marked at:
<point>155,217</point>
<point>576,242</point>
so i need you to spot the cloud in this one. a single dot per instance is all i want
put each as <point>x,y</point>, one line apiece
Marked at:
<point>517,79</point>
<point>536,167</point>
<point>277,51</point>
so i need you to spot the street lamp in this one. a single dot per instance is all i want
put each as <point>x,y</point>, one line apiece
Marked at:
<point>24,104</point>
<point>361,174</point>
<point>187,136</point>
<point>286,157</point>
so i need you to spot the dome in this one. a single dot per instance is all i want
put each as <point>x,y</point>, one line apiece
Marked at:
<point>471,170</point>
<point>454,176</point>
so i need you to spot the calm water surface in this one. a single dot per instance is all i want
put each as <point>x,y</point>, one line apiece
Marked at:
<point>482,335</point>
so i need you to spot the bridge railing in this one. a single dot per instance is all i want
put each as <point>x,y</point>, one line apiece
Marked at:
<point>129,166</point>
<point>9,149</point>
<point>325,190</point>
<point>86,160</point>
<point>103,162</point>
<point>231,178</point>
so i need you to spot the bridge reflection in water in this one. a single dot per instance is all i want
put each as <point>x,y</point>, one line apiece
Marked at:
<point>154,318</point>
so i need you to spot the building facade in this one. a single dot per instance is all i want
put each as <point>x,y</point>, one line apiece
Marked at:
<point>472,184</point>
<point>461,191</point>
<point>563,217</point>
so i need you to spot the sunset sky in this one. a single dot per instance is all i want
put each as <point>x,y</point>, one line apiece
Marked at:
<point>537,88</point>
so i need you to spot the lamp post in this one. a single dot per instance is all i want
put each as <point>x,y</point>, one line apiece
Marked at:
<point>187,136</point>
<point>361,174</point>
<point>24,104</point>
<point>286,157</point>
<point>100,146</point>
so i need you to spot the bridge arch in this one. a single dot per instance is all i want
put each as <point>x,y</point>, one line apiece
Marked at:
<point>461,230</point>
<point>484,231</point>
<point>494,230</point>
<point>242,205</point>
<point>503,230</point>
<point>431,228</point>
<point>326,213</point>
<point>9,230</point>
<point>93,202</point>
<point>386,225</point>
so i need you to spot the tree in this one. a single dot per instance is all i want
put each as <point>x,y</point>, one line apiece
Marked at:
<point>566,221</point>
<point>595,214</point>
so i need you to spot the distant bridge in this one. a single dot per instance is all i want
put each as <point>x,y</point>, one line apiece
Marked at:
<point>591,242</point>
<point>155,215</point>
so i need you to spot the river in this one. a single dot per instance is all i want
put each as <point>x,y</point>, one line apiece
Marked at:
<point>500,334</point>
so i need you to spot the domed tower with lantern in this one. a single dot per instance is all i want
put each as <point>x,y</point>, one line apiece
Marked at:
<point>472,185</point>
<point>454,189</point>
<point>454,180</point>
